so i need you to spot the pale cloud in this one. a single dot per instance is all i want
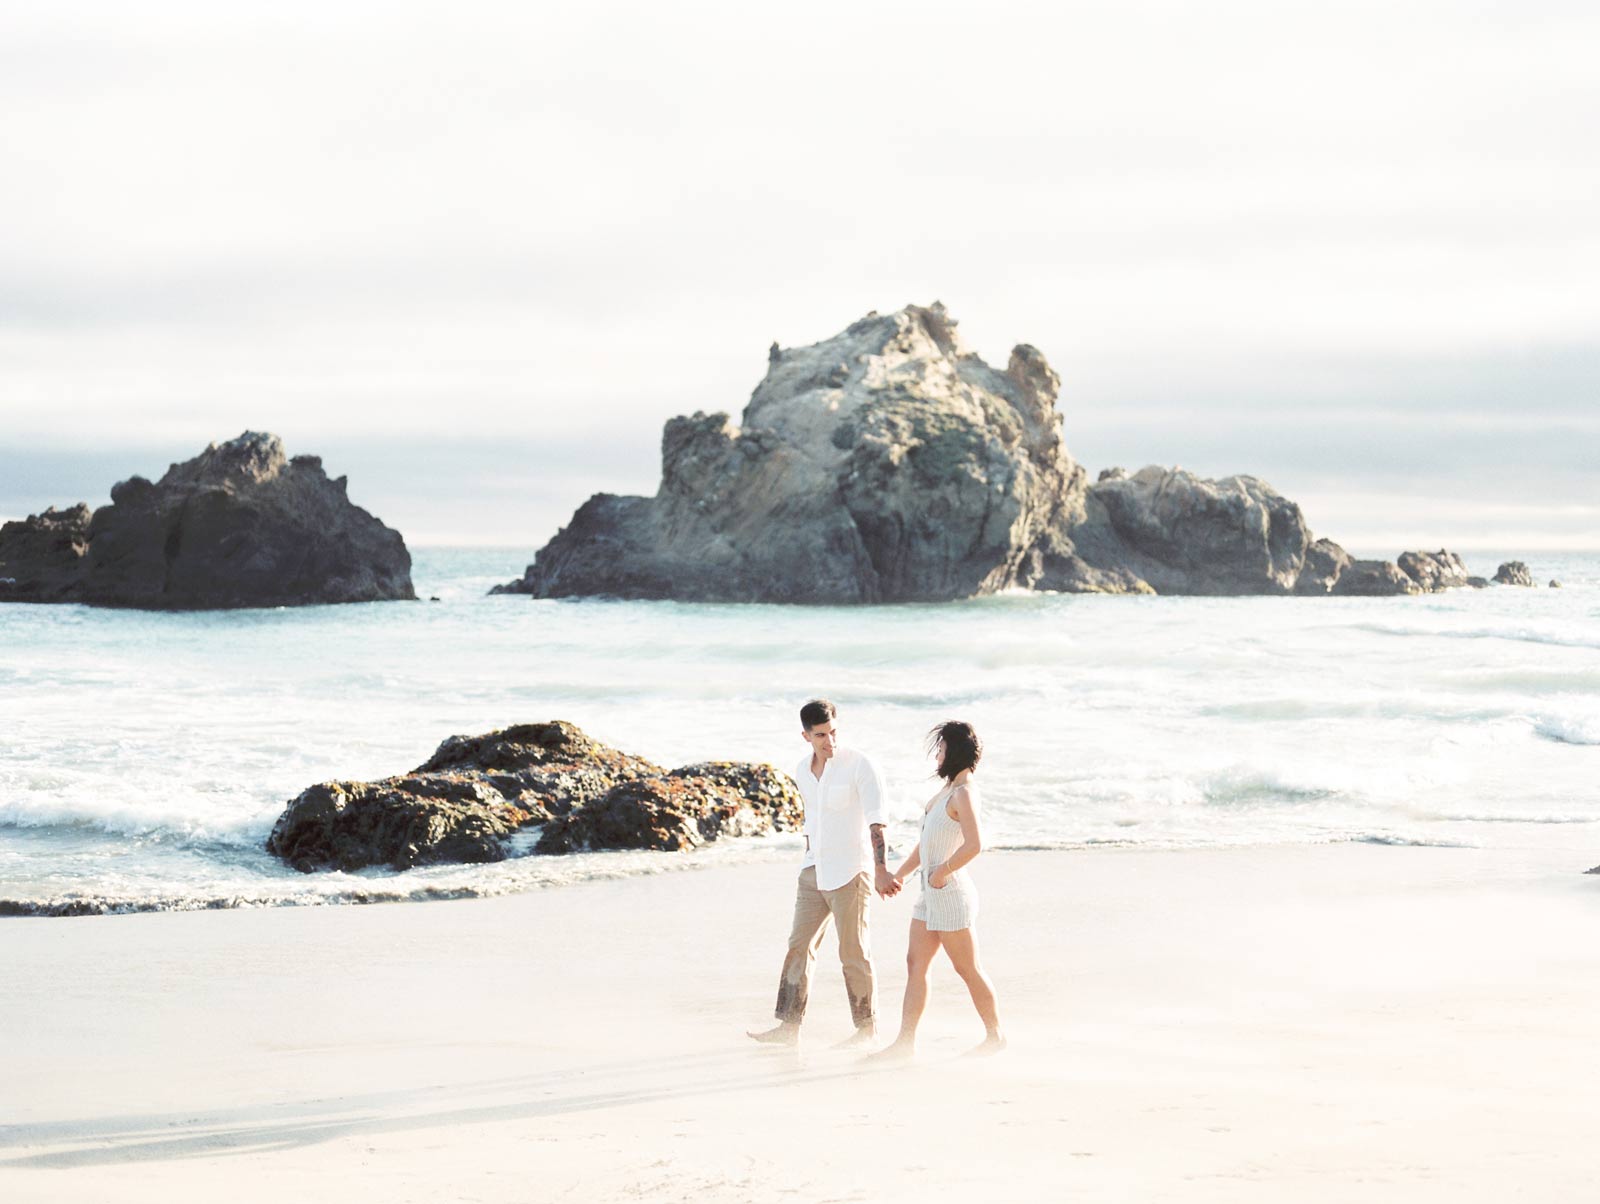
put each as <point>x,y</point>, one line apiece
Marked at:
<point>1310,241</point>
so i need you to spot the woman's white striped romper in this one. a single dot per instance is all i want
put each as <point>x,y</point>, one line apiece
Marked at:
<point>954,905</point>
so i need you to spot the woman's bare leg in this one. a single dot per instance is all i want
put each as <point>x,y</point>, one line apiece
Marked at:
<point>921,948</point>
<point>962,946</point>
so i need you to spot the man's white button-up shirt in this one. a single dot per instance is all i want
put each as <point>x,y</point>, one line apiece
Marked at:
<point>841,807</point>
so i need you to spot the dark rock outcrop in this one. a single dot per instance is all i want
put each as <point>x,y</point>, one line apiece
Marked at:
<point>889,463</point>
<point>1324,564</point>
<point>680,810</point>
<point>466,802</point>
<point>1434,571</point>
<point>41,557</point>
<point>1554,584</point>
<point>400,823</point>
<point>1514,572</point>
<point>1183,534</point>
<point>1373,578</point>
<point>239,525</point>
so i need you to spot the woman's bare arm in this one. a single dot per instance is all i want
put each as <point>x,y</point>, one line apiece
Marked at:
<point>964,802</point>
<point>911,862</point>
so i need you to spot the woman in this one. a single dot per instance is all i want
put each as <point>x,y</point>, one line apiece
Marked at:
<point>944,915</point>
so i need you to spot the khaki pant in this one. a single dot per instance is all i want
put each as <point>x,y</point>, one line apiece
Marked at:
<point>812,910</point>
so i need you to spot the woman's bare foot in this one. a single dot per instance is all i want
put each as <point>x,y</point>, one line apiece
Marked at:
<point>786,1033</point>
<point>992,1044</point>
<point>901,1050</point>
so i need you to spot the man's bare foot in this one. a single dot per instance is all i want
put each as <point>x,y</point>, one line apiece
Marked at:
<point>862,1036</point>
<point>900,1051</point>
<point>992,1044</point>
<point>784,1034</point>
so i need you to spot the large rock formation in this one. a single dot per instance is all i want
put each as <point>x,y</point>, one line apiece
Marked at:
<point>467,801</point>
<point>889,463</point>
<point>241,524</point>
<point>883,464</point>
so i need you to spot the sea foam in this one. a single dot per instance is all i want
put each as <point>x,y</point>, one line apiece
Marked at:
<point>146,756</point>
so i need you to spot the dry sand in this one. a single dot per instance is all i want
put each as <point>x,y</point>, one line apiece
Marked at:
<point>1338,1023</point>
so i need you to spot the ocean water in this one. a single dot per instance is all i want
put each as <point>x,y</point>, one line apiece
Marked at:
<point>144,757</point>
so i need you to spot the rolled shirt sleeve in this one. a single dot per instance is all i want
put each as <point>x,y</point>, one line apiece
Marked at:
<point>869,789</point>
<point>806,785</point>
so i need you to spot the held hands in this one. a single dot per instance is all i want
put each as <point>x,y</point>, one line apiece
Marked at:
<point>886,884</point>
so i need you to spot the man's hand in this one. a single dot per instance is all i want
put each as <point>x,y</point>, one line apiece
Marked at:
<point>886,884</point>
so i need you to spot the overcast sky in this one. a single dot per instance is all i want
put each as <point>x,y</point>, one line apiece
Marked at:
<point>475,254</point>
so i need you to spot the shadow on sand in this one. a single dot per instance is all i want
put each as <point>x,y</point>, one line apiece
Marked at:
<point>111,1140</point>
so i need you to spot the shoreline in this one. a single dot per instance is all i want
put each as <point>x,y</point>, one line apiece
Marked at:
<point>394,888</point>
<point>1322,1023</point>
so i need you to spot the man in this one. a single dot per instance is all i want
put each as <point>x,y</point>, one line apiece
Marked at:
<point>843,796</point>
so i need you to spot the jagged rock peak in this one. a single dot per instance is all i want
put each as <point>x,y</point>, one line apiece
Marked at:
<point>255,456</point>
<point>812,394</point>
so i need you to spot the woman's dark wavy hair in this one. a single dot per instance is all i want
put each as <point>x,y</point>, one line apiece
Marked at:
<point>962,747</point>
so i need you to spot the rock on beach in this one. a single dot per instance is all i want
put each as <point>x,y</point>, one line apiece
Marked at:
<point>466,802</point>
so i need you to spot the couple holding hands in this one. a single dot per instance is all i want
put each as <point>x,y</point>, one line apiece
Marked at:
<point>846,861</point>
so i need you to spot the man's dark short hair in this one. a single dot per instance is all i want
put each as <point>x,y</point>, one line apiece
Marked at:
<point>816,712</point>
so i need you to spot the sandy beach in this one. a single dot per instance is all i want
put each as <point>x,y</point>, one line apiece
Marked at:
<point>1310,1023</point>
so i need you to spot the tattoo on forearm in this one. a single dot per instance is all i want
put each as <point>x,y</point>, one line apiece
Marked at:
<point>880,852</point>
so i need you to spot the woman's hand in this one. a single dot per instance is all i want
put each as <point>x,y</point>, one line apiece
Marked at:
<point>939,877</point>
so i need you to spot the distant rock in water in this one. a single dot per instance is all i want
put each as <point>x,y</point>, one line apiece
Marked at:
<point>238,525</point>
<point>1183,534</point>
<point>466,801</point>
<point>1514,572</point>
<point>1434,571</point>
<point>1325,562</point>
<point>1373,578</point>
<point>891,464</point>
<point>41,557</point>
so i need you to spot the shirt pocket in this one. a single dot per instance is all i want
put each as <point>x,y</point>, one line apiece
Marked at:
<point>837,798</point>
